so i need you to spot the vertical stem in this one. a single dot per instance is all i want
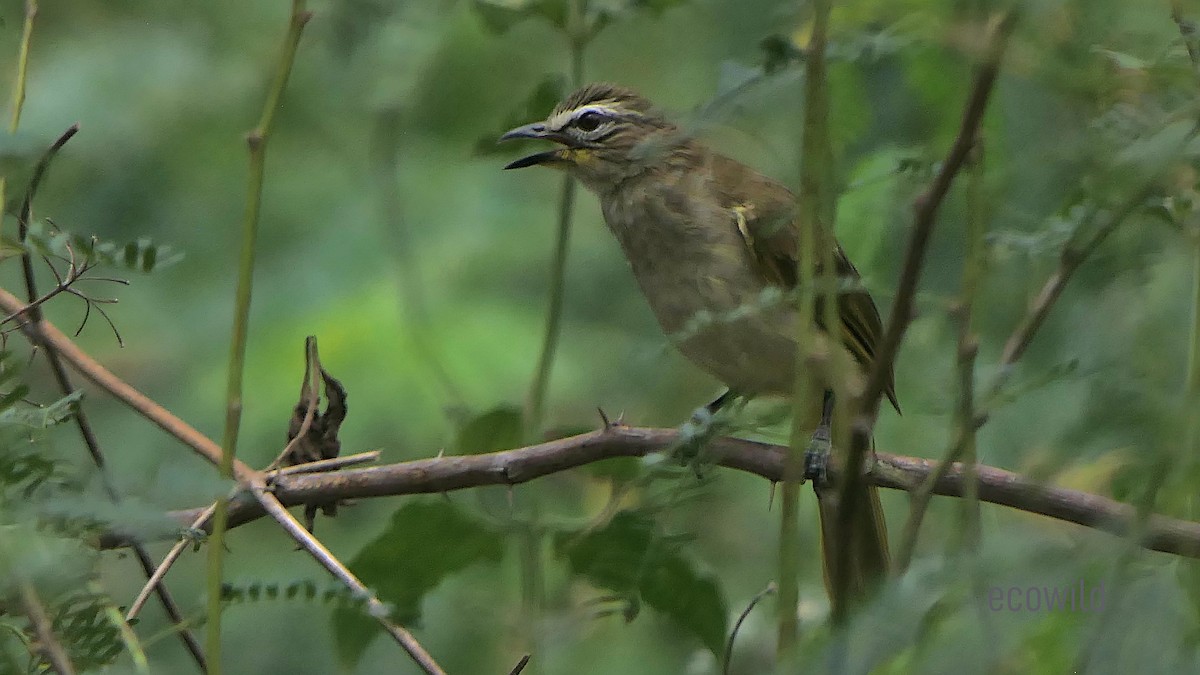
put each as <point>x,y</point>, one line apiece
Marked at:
<point>1190,456</point>
<point>18,97</point>
<point>968,346</point>
<point>47,643</point>
<point>535,404</point>
<point>256,141</point>
<point>815,212</point>
<point>974,268</point>
<point>532,577</point>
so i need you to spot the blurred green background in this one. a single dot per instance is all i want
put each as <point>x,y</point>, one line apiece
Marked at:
<point>423,270</point>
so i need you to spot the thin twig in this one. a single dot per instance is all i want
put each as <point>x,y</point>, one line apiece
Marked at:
<point>968,349</point>
<point>1071,259</point>
<point>51,649</point>
<point>813,200</point>
<point>962,445</point>
<point>39,172</point>
<point>737,625</point>
<point>375,608</point>
<point>31,316</point>
<point>159,572</point>
<point>520,665</point>
<point>536,401</point>
<point>18,99</point>
<point>577,32</point>
<point>332,464</point>
<point>46,335</point>
<point>18,92</point>
<point>925,210</point>
<point>63,284</point>
<point>256,142</point>
<point>202,520</point>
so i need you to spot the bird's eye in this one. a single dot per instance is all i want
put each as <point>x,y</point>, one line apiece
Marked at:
<point>589,121</point>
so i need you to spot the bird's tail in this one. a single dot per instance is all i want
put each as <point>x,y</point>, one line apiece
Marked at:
<point>867,537</point>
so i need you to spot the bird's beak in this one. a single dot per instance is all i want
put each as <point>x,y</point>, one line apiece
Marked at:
<point>536,130</point>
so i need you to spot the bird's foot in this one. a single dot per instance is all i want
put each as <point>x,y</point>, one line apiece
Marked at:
<point>816,457</point>
<point>694,436</point>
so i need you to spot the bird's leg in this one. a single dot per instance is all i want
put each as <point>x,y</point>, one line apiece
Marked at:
<point>700,428</point>
<point>816,458</point>
<point>720,401</point>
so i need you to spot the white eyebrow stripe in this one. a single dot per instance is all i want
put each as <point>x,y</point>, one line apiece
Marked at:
<point>603,110</point>
<point>566,117</point>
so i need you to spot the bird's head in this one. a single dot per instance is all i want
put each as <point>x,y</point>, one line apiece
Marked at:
<point>607,133</point>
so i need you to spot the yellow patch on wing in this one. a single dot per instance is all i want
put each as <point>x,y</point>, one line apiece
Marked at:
<point>740,216</point>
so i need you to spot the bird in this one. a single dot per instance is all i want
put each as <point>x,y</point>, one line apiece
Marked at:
<point>713,245</point>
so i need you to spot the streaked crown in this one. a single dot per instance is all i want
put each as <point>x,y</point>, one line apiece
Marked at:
<point>608,132</point>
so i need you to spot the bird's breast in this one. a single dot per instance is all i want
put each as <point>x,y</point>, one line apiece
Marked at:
<point>699,280</point>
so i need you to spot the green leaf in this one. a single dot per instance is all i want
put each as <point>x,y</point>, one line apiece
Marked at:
<point>779,52</point>
<point>497,429</point>
<point>13,396</point>
<point>38,417</point>
<point>142,255</point>
<point>425,542</point>
<point>536,106</point>
<point>630,558</point>
<point>1122,60</point>
<point>1153,152</point>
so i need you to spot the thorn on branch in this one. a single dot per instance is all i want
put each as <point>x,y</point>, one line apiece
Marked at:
<point>520,665</point>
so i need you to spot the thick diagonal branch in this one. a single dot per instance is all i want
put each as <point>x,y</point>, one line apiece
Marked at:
<point>511,467</point>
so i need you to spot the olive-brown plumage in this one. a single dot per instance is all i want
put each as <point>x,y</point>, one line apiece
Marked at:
<point>713,244</point>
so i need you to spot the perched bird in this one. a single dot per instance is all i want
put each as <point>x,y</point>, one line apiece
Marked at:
<point>713,246</point>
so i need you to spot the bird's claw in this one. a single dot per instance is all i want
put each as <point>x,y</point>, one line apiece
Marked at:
<point>816,457</point>
<point>694,436</point>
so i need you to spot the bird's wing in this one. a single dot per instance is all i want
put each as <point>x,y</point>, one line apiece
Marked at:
<point>764,212</point>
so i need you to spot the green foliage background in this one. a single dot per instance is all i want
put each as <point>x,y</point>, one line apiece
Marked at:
<point>421,267</point>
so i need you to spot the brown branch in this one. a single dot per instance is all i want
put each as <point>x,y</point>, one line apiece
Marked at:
<point>168,560</point>
<point>202,520</point>
<point>925,209</point>
<point>375,608</point>
<point>512,467</point>
<point>44,334</point>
